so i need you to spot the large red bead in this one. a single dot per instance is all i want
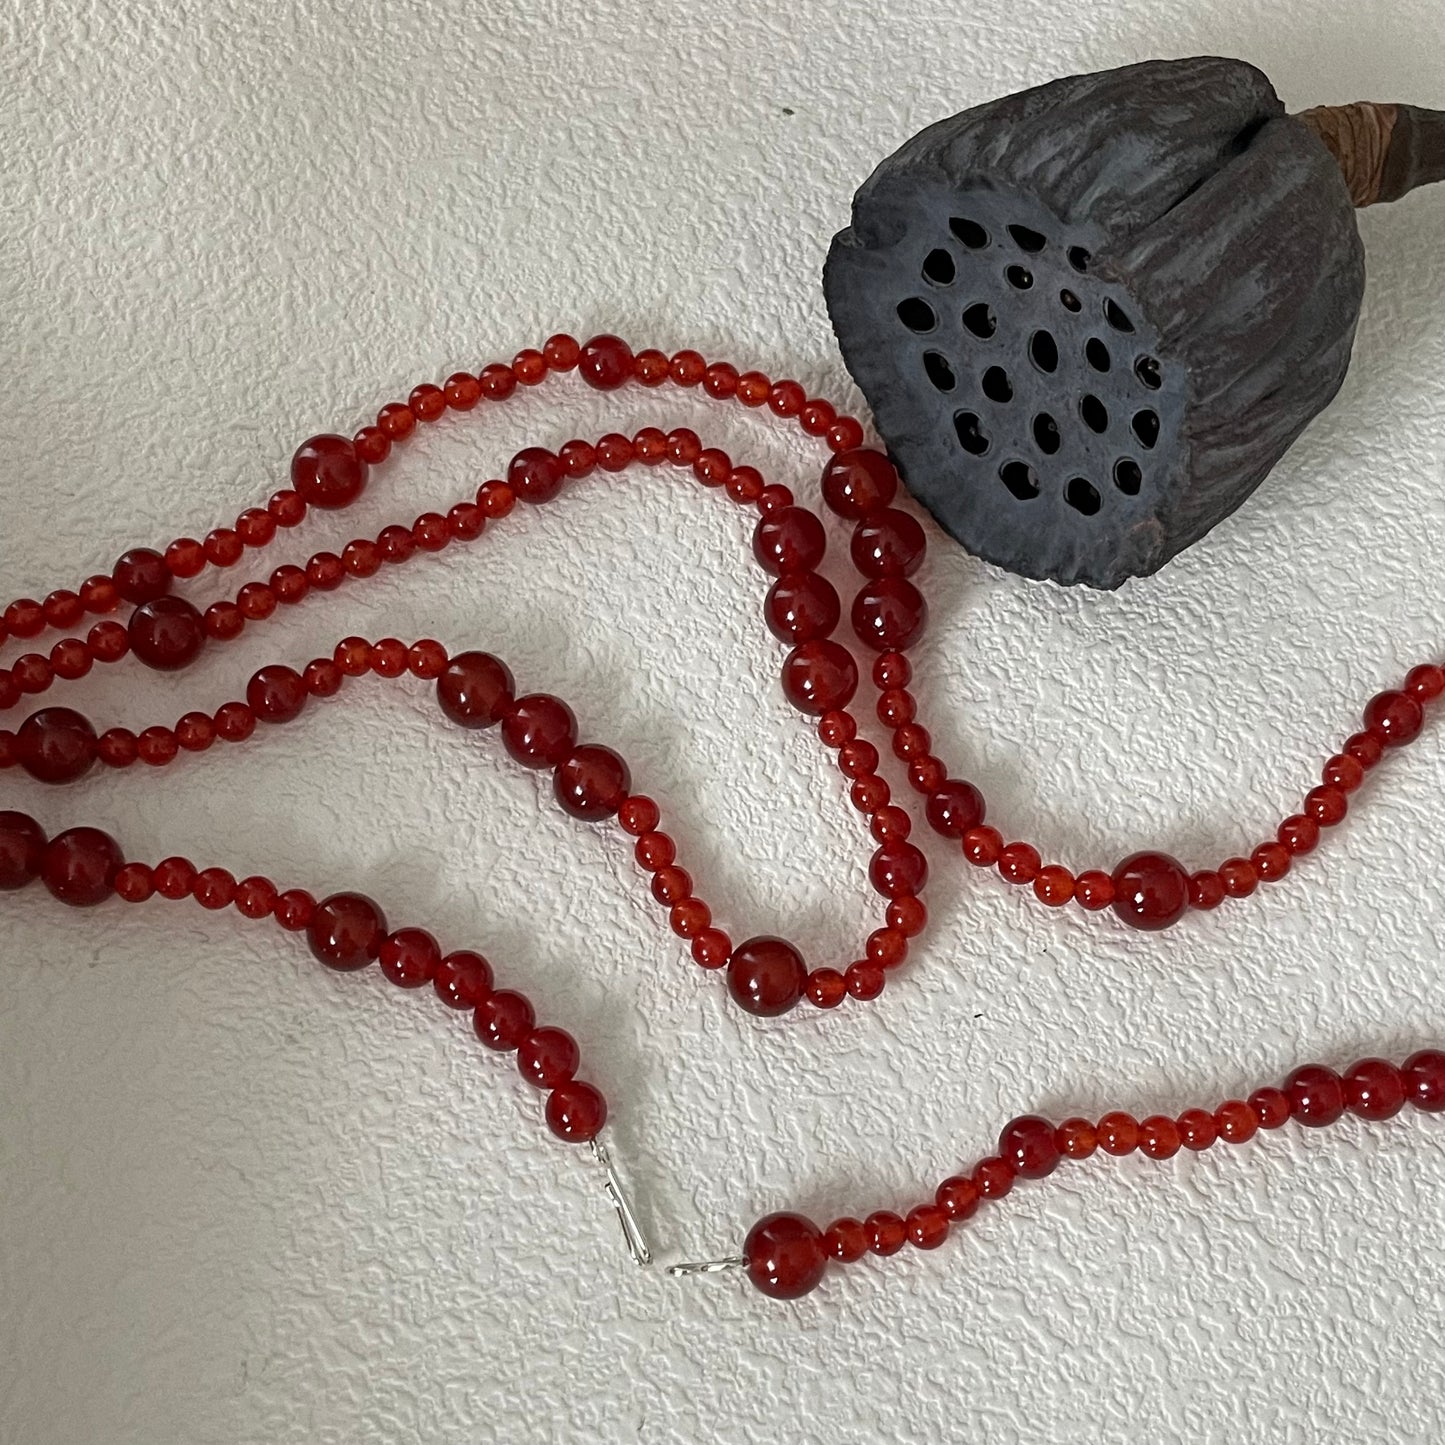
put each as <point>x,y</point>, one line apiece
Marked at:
<point>605,362</point>
<point>80,866</point>
<point>142,575</point>
<point>346,931</point>
<point>897,870</point>
<point>276,694</point>
<point>166,634</point>
<point>1151,890</point>
<point>802,607</point>
<point>576,1111</point>
<point>535,474</point>
<point>888,544</point>
<point>462,979</point>
<point>1030,1144</point>
<point>789,540</point>
<point>22,850</point>
<point>1374,1089</point>
<point>819,676</point>
<point>539,730</point>
<point>858,482</point>
<point>766,976</point>
<point>476,689</point>
<point>56,745</point>
<point>889,614</point>
<point>1316,1095</point>
<point>785,1255</point>
<point>954,808</point>
<point>327,473</point>
<point>1424,1075</point>
<point>1393,717</point>
<point>592,783</point>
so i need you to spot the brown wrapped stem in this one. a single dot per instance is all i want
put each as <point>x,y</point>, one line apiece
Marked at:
<point>1383,150</point>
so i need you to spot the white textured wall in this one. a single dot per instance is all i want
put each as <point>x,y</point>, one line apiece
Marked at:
<point>243,1200</point>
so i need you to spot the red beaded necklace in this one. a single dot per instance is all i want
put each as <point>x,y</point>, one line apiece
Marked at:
<point>785,1254</point>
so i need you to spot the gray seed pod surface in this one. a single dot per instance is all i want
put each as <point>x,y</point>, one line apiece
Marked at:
<point>1091,316</point>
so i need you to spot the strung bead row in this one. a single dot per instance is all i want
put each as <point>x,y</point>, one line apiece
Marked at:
<point>787,1255</point>
<point>83,867</point>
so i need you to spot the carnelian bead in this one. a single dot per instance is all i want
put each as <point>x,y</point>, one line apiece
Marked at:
<point>605,363</point>
<point>63,609</point>
<point>592,782</point>
<point>578,458</point>
<point>174,878</point>
<point>1394,717</point>
<point>156,747</point>
<point>774,498</point>
<point>426,659</point>
<point>256,601</point>
<point>1206,889</point>
<point>1158,1137</point>
<point>890,825</point>
<point>295,909</point>
<point>80,865</point>
<point>326,472</point>
<point>911,741</point>
<point>1151,890</point>
<point>1054,885</point>
<point>689,917</point>
<point>1236,1121</point>
<point>195,732</point>
<point>353,656</point>
<point>466,522</point>
<point>1271,861</point>
<point>290,584</point>
<point>462,979</point>
<point>671,885</point>
<point>117,748</point>
<point>869,793</point>
<point>1298,833</point>
<point>994,1177</point>
<point>845,435</point>
<point>711,948</point>
<point>766,976</point>
<point>786,398</point>
<point>287,507</point>
<point>1316,1095</point>
<point>223,547</point>
<point>388,657</point>
<point>409,957</point>
<point>224,621</point>
<point>720,380</point>
<point>24,618</point>
<point>33,673</point>
<point>1271,1107</point>
<point>548,1057</point>
<point>1028,1145</point>
<point>897,869</point>
<point>497,381</point>
<point>886,947</point>
<point>887,543</point>
<point>982,846</point>
<point>255,897</point>
<point>906,914</point>
<point>142,575</point>
<point>845,1240</point>
<point>134,883</point>
<point>753,388</point>
<point>100,594</point>
<point>561,352</point>
<point>1424,1076</point>
<point>1197,1129</point>
<point>1366,749</point>
<point>954,808</point>
<point>887,1233</point>
<point>166,634</point>
<point>864,980</point>
<point>712,467</point>
<point>322,677</point>
<point>1327,806</point>
<point>958,1197</point>
<point>22,850</point>
<point>889,614</point>
<point>1118,1133</point>
<point>651,366</point>
<point>1343,772</point>
<point>649,445</point>
<point>789,540</point>
<point>614,452</point>
<point>394,545</point>
<point>687,368</point>
<point>927,1226</point>
<point>430,532</point>
<point>186,557</point>
<point>576,1112</point>
<point>655,851</point>
<point>1425,683</point>
<point>819,676</point>
<point>638,815</point>
<point>475,690</point>
<point>346,931</point>
<point>857,758</point>
<point>235,722</point>
<point>817,417</point>
<point>539,730</point>
<point>427,402</point>
<point>801,607</point>
<point>276,694</point>
<point>826,988</point>
<point>56,745</point>
<point>785,1256</point>
<point>1077,1138</point>
<point>535,474</point>
<point>503,1019</point>
<point>1374,1089</point>
<point>396,421</point>
<point>1239,877</point>
<point>372,445</point>
<point>927,775</point>
<point>859,482</point>
<point>462,391</point>
<point>684,446</point>
<point>1019,863</point>
<point>214,888</point>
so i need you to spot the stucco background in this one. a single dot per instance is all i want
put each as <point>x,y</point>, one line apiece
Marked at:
<point>241,1200</point>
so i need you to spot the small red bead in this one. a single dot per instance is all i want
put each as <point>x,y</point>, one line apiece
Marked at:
<point>819,676</point>
<point>1054,885</point>
<point>982,846</point>
<point>1197,1129</point>
<point>889,614</point>
<point>1077,1138</point>
<point>426,659</point>
<point>503,1019</point>
<point>869,793</point>
<point>497,381</point>
<point>22,850</point>
<point>134,883</point>
<point>994,1177</point>
<point>958,1197</point>
<point>711,948</point>
<point>1239,877</point>
<point>857,758</point>
<point>214,888</point>
<point>462,979</point>
<point>475,690</point>
<point>529,366</point>
<point>1118,1133</point>
<point>561,352</point>
<point>954,808</point>
<point>326,472</point>
<point>256,897</point>
<point>1151,890</point>
<point>409,957</point>
<point>712,467</point>
<point>56,745</point>
<point>142,575</point>
<point>100,594</point>
<point>687,368</point>
<point>548,1057</point>
<point>186,557</point>
<point>614,452</point>
<point>774,498</point>
<point>372,445</point>
<point>1316,1095</point>
<point>671,885</point>
<point>396,421</point>
<point>785,1255</point>
<point>927,1226</point>
<point>1343,772</point>
<point>223,547</point>
<point>287,508</point>
<point>430,532</point>
<point>753,388</point>
<point>80,865</point>
<point>276,694</point>
<point>845,435</point>
<point>649,446</point>
<point>720,380</point>
<point>535,474</point>
<point>817,417</point>
<point>592,782</point>
<point>1019,863</point>
<point>576,1112</point>
<point>166,634</point>
<point>1271,861</point>
<point>858,482</point>
<point>655,851</point>
<point>890,825</point>
<point>63,608</point>
<point>462,391</point>
<point>651,366</point>
<point>1237,1121</point>
<point>322,677</point>
<point>845,1240</point>
<point>1424,1076</point>
<point>802,607</point>
<point>466,522</point>
<point>539,731</point>
<point>638,815</point>
<point>689,917</point>
<point>606,362</point>
<point>887,1232</point>
<point>388,657</point>
<point>108,641</point>
<point>224,621</point>
<point>789,540</point>
<point>826,988</point>
<point>907,914</point>
<point>346,931</point>
<point>1298,833</point>
<point>1374,1089</point>
<point>766,976</point>
<point>1327,806</point>
<point>1271,1107</point>
<point>195,732</point>
<point>174,878</point>
<point>427,402</point>
<point>33,673</point>
<point>887,543</point>
<point>683,446</point>
<point>235,722</point>
<point>295,909</point>
<point>1425,683</point>
<point>157,746</point>
<point>1394,717</point>
<point>898,869</point>
<point>1029,1145</point>
<point>1158,1137</point>
<point>864,980</point>
<point>786,398</point>
<point>886,947</point>
<point>257,601</point>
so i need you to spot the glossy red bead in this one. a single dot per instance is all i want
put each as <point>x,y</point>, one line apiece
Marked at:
<point>409,957</point>
<point>166,634</point>
<point>1151,890</point>
<point>294,909</point>
<point>536,475</point>
<point>766,976</point>
<point>475,690</point>
<point>1118,1133</point>
<point>1424,1076</point>
<point>802,607</point>
<point>887,1232</point>
<point>789,540</point>
<point>1271,1107</point>
<point>142,575</point>
<point>888,543</point>
<point>592,782</point>
<point>276,694</point>
<point>819,676</point>
<point>858,482</point>
<point>1197,1129</point>
<point>462,979</point>
<point>826,988</point>
<point>214,888</point>
<point>548,1057</point>
<point>22,850</point>
<point>1029,1144</point>
<point>927,1226</point>
<point>1159,1137</point>
<point>1425,683</point>
<point>503,1019</point>
<point>174,878</point>
<point>864,980</point>
<point>346,931</point>
<point>605,362</point>
<point>898,869</point>
<point>56,745</point>
<point>954,808</point>
<point>539,730</point>
<point>1237,1122</point>
<point>256,897</point>
<point>1019,863</point>
<point>80,865</point>
<point>326,471</point>
<point>1316,1095</point>
<point>1394,717</point>
<point>785,1255</point>
<point>958,1197</point>
<point>1374,1089</point>
<point>845,1240</point>
<point>889,614</point>
<point>576,1112</point>
<point>1077,1138</point>
<point>994,1177</point>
